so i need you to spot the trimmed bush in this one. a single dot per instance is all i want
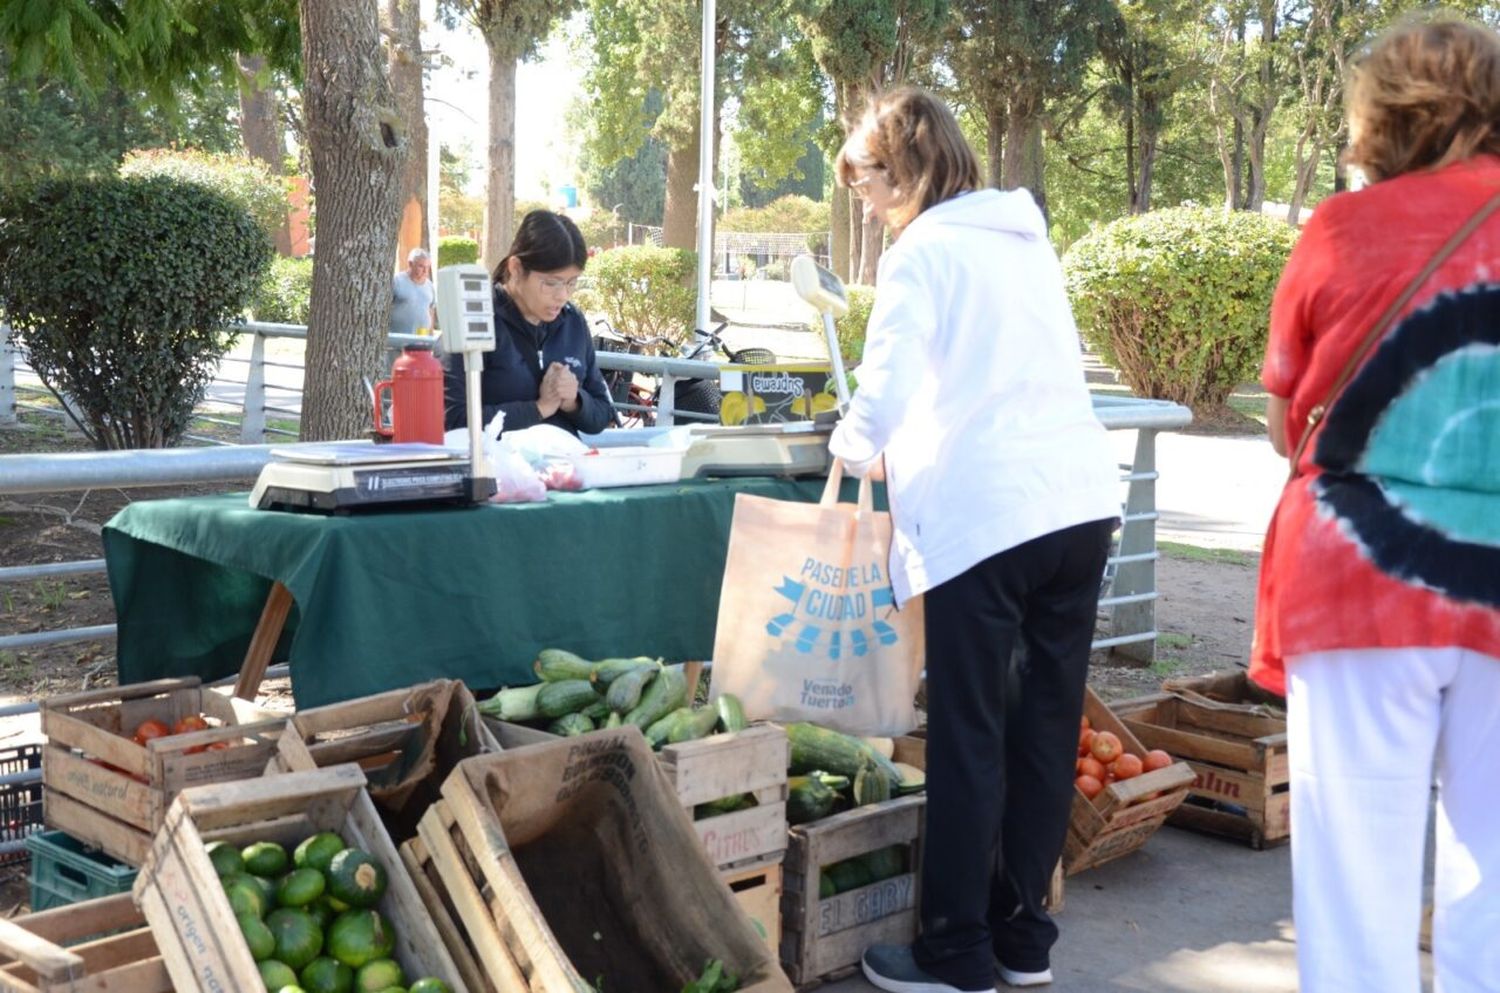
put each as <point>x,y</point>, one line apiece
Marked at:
<point>121,292</point>
<point>851,327</point>
<point>1179,300</point>
<point>645,292</point>
<point>789,213</point>
<point>243,180</point>
<point>284,294</point>
<point>456,250</point>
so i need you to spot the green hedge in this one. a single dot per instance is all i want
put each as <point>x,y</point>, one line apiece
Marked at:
<point>121,292</point>
<point>456,250</point>
<point>246,181</point>
<point>1179,300</point>
<point>283,296</point>
<point>851,327</point>
<point>645,292</point>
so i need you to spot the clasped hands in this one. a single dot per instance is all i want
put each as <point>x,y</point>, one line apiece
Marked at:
<point>559,390</point>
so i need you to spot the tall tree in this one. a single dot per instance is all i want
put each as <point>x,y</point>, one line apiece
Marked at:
<point>358,142</point>
<point>1248,83</point>
<point>261,127</point>
<point>512,31</point>
<point>401,22</point>
<point>865,46</point>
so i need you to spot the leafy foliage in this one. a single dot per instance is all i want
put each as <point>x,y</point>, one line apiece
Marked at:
<point>241,179</point>
<point>1178,300</point>
<point>790,213</point>
<point>456,249</point>
<point>644,291</point>
<point>284,293</point>
<point>121,292</point>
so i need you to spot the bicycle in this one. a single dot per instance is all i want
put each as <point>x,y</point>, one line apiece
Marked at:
<point>699,396</point>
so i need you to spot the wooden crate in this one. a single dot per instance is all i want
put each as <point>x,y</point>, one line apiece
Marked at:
<point>119,809</point>
<point>393,736</point>
<point>1238,755</point>
<point>185,903</point>
<point>1126,814</point>
<point>102,946</point>
<point>757,887</point>
<point>823,937</point>
<point>724,765</point>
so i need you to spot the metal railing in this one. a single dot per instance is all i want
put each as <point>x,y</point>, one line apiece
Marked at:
<point>1130,597</point>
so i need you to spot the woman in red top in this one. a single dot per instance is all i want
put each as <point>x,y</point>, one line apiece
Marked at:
<point>1379,602</point>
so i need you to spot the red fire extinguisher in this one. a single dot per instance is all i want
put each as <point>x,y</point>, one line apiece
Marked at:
<point>416,389</point>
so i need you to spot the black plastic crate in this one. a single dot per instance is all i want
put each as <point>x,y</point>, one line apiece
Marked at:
<point>20,803</point>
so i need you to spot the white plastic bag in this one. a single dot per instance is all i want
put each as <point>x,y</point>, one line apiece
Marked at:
<point>515,480</point>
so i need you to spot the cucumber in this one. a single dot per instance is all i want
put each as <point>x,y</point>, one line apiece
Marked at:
<point>624,692</point>
<point>698,723</point>
<point>731,713</point>
<point>517,704</point>
<point>555,665</point>
<point>569,725</point>
<point>565,697</point>
<point>656,734</point>
<point>813,748</point>
<point>667,692</point>
<point>608,670</point>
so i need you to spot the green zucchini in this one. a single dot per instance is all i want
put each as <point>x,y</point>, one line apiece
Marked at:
<point>555,665</point>
<point>569,725</point>
<point>624,692</point>
<point>885,863</point>
<point>826,888</point>
<point>812,797</point>
<point>515,704</point>
<point>614,720</point>
<point>731,713</point>
<point>697,724</point>
<point>913,780</point>
<point>596,711</point>
<point>565,697</point>
<point>727,805</point>
<point>847,875</point>
<point>813,747</point>
<point>667,692</point>
<point>656,734</point>
<point>608,670</point>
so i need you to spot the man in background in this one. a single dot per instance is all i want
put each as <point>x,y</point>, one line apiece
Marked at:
<point>413,298</point>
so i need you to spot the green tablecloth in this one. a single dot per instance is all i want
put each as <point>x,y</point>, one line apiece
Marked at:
<point>386,600</point>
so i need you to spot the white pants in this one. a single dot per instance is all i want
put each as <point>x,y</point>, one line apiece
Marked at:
<point>1366,728</point>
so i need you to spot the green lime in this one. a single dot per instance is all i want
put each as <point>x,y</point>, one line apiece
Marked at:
<point>291,989</point>
<point>298,937</point>
<point>355,878</point>
<point>226,859</point>
<point>322,911</point>
<point>361,936</point>
<point>378,975</point>
<point>276,974</point>
<point>429,984</point>
<point>300,887</point>
<point>245,898</point>
<point>267,889</point>
<point>265,858</point>
<point>326,975</point>
<point>257,936</point>
<point>316,852</point>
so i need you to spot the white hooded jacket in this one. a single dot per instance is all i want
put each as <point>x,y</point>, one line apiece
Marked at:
<point>972,386</point>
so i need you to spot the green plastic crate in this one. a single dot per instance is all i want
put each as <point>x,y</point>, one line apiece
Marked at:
<point>64,871</point>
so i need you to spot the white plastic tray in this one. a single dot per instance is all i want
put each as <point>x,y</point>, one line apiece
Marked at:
<point>634,465</point>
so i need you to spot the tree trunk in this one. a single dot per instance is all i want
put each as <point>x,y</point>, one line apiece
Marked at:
<point>679,223</point>
<point>872,240</point>
<point>1149,138</point>
<point>404,26</point>
<point>260,129</point>
<point>1307,171</point>
<point>357,142</point>
<point>500,169</point>
<point>994,143</point>
<point>1023,165</point>
<point>1340,169</point>
<point>840,209</point>
<point>1260,113</point>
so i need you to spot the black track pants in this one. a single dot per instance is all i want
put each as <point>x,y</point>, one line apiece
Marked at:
<point>1002,741</point>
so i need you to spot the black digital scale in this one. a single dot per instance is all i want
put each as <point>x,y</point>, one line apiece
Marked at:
<point>356,475</point>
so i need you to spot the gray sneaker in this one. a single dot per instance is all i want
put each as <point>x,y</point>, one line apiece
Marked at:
<point>892,968</point>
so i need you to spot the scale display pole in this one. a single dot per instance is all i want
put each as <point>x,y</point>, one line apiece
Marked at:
<point>825,291</point>
<point>466,311</point>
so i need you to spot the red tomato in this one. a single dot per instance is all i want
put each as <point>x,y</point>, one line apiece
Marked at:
<point>1085,742</point>
<point>1088,786</point>
<point>1106,747</point>
<point>1127,766</point>
<point>219,746</point>
<point>1090,766</point>
<point>1157,759</point>
<point>148,729</point>
<point>189,724</point>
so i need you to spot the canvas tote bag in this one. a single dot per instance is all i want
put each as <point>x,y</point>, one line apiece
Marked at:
<point>808,628</point>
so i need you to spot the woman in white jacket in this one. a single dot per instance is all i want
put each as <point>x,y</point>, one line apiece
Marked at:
<point>1003,495</point>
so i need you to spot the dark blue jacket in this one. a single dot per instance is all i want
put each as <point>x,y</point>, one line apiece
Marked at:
<point>512,375</point>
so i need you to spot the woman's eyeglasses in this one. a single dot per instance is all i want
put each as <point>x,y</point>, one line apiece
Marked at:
<point>552,285</point>
<point>857,186</point>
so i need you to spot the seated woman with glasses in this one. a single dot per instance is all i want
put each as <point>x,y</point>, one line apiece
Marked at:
<point>542,370</point>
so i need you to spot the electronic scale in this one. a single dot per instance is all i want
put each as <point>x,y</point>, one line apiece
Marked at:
<point>795,448</point>
<point>339,477</point>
